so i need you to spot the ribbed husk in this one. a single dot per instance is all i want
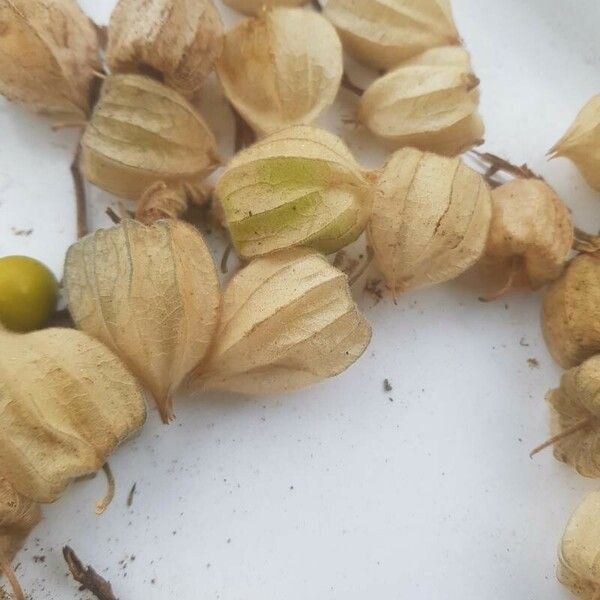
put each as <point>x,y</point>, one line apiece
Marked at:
<point>48,54</point>
<point>382,34</point>
<point>581,143</point>
<point>579,551</point>
<point>429,102</point>
<point>571,312</point>
<point>142,132</point>
<point>65,403</point>
<point>256,7</point>
<point>180,40</point>
<point>18,516</point>
<point>149,293</point>
<point>288,321</point>
<point>578,399</point>
<point>532,226</point>
<point>430,220</point>
<point>282,68</point>
<point>298,187</point>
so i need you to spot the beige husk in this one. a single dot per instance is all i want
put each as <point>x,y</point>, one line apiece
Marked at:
<point>256,7</point>
<point>576,401</point>
<point>180,40</point>
<point>142,132</point>
<point>430,219</point>
<point>48,54</point>
<point>579,551</point>
<point>65,403</point>
<point>383,34</point>
<point>288,321</point>
<point>298,187</point>
<point>581,143</point>
<point>429,102</point>
<point>531,231</point>
<point>571,312</point>
<point>149,293</point>
<point>282,68</point>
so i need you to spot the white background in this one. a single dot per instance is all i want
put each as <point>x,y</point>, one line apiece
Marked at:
<point>337,492</point>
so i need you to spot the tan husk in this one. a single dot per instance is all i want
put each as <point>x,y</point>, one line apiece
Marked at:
<point>430,221</point>
<point>149,293</point>
<point>581,143</point>
<point>288,321</point>
<point>65,403</point>
<point>530,223</point>
<point>571,312</point>
<point>383,34</point>
<point>179,40</point>
<point>429,102</point>
<point>142,132</point>
<point>298,187</point>
<point>282,68</point>
<point>48,54</point>
<point>579,567</point>
<point>256,7</point>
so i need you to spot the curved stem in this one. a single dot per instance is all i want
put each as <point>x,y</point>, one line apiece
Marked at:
<point>104,503</point>
<point>225,257</point>
<point>510,281</point>
<point>7,571</point>
<point>565,433</point>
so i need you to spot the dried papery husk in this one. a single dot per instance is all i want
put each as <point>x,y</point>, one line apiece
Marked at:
<point>142,132</point>
<point>149,293</point>
<point>578,566</point>
<point>571,312</point>
<point>430,221</point>
<point>298,187</point>
<point>581,143</point>
<point>430,103</point>
<point>531,231</point>
<point>48,55</point>
<point>178,40</point>
<point>66,402</point>
<point>383,34</point>
<point>288,321</point>
<point>282,68</point>
<point>161,201</point>
<point>256,7</point>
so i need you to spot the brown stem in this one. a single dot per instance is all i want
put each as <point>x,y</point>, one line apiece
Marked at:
<point>225,257</point>
<point>512,276</point>
<point>7,570</point>
<point>362,269</point>
<point>565,433</point>
<point>88,577</point>
<point>351,86</point>
<point>80,199</point>
<point>113,216</point>
<point>496,164</point>
<point>104,503</point>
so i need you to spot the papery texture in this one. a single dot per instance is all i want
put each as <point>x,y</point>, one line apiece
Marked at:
<point>256,7</point>
<point>282,68</point>
<point>66,402</point>
<point>149,293</point>
<point>288,321</point>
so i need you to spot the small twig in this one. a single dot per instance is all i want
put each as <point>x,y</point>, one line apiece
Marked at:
<point>362,269</point>
<point>104,503</point>
<point>579,426</point>
<point>80,199</point>
<point>113,216</point>
<point>496,164</point>
<point>225,257</point>
<point>130,495</point>
<point>7,571</point>
<point>88,577</point>
<point>351,86</point>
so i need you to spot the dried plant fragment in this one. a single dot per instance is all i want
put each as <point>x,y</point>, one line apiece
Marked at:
<point>383,34</point>
<point>282,68</point>
<point>48,54</point>
<point>142,132</point>
<point>429,102</point>
<point>288,321</point>
<point>578,568</point>
<point>298,187</point>
<point>581,143</point>
<point>65,403</point>
<point>530,223</point>
<point>256,7</point>
<point>571,312</point>
<point>149,293</point>
<point>179,40</point>
<point>430,220</point>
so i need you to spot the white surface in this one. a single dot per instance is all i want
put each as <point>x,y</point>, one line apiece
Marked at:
<point>337,492</point>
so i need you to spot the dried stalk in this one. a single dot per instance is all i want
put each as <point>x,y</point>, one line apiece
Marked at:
<point>88,577</point>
